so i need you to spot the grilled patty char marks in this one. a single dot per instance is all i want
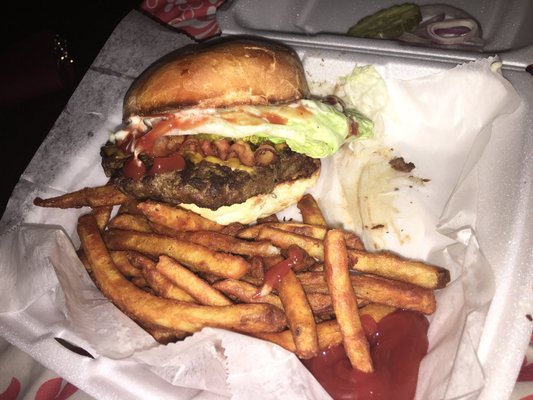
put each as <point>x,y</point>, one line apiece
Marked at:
<point>211,185</point>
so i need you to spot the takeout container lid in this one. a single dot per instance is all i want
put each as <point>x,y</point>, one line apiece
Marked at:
<point>504,24</point>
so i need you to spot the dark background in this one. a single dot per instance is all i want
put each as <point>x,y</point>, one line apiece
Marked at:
<point>34,86</point>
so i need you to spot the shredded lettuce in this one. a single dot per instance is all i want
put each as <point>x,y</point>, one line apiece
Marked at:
<point>364,90</point>
<point>311,127</point>
<point>365,94</point>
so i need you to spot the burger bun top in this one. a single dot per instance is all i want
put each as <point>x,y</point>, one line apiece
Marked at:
<point>219,74</point>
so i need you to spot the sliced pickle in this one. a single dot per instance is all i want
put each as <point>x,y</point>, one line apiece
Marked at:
<point>389,23</point>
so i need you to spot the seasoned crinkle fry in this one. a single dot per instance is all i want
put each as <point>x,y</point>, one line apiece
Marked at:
<point>100,196</point>
<point>170,314</point>
<point>345,302</point>
<point>392,266</point>
<point>196,257</point>
<point>176,218</point>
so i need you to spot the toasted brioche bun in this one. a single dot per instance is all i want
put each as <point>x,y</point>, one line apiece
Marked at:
<point>219,74</point>
<point>284,195</point>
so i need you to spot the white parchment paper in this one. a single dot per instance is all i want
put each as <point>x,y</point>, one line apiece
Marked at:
<point>426,121</point>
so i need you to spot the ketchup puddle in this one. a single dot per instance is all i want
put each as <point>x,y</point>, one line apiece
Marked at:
<point>397,343</point>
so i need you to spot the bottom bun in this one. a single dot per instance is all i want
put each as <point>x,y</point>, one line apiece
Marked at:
<point>284,195</point>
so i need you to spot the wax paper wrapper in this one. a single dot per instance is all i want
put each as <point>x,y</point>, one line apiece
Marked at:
<point>424,120</point>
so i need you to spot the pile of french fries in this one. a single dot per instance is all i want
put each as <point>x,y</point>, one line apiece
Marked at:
<point>301,285</point>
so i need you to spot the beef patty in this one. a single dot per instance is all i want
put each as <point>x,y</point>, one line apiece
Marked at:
<point>211,185</point>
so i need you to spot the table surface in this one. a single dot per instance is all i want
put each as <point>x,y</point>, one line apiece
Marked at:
<point>85,28</point>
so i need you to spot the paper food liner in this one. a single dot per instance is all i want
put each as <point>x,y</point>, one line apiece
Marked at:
<point>440,122</point>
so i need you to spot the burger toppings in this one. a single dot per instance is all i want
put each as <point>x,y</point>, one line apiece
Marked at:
<point>249,134</point>
<point>307,126</point>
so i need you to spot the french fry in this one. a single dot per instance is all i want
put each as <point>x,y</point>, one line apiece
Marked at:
<point>318,232</point>
<point>170,314</point>
<point>299,315</point>
<point>165,336</point>
<point>102,215</point>
<point>132,222</point>
<point>232,229</point>
<point>268,218</point>
<point>320,303</point>
<point>182,277</point>
<point>176,218</point>
<point>159,283</point>
<point>100,196</point>
<point>395,267</point>
<point>311,213</point>
<point>345,302</point>
<point>229,244</point>
<point>129,207</point>
<point>383,263</point>
<point>353,241</point>
<point>85,261</point>
<point>140,282</point>
<point>376,311</point>
<point>379,290</point>
<point>139,260</point>
<point>284,239</point>
<point>195,256</point>
<point>246,292</point>
<point>122,262</point>
<point>329,333</point>
<point>251,232</point>
<point>257,268</point>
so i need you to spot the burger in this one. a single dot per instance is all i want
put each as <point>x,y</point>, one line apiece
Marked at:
<point>226,128</point>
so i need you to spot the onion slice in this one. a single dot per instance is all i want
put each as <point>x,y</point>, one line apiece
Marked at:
<point>452,31</point>
<point>445,26</point>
